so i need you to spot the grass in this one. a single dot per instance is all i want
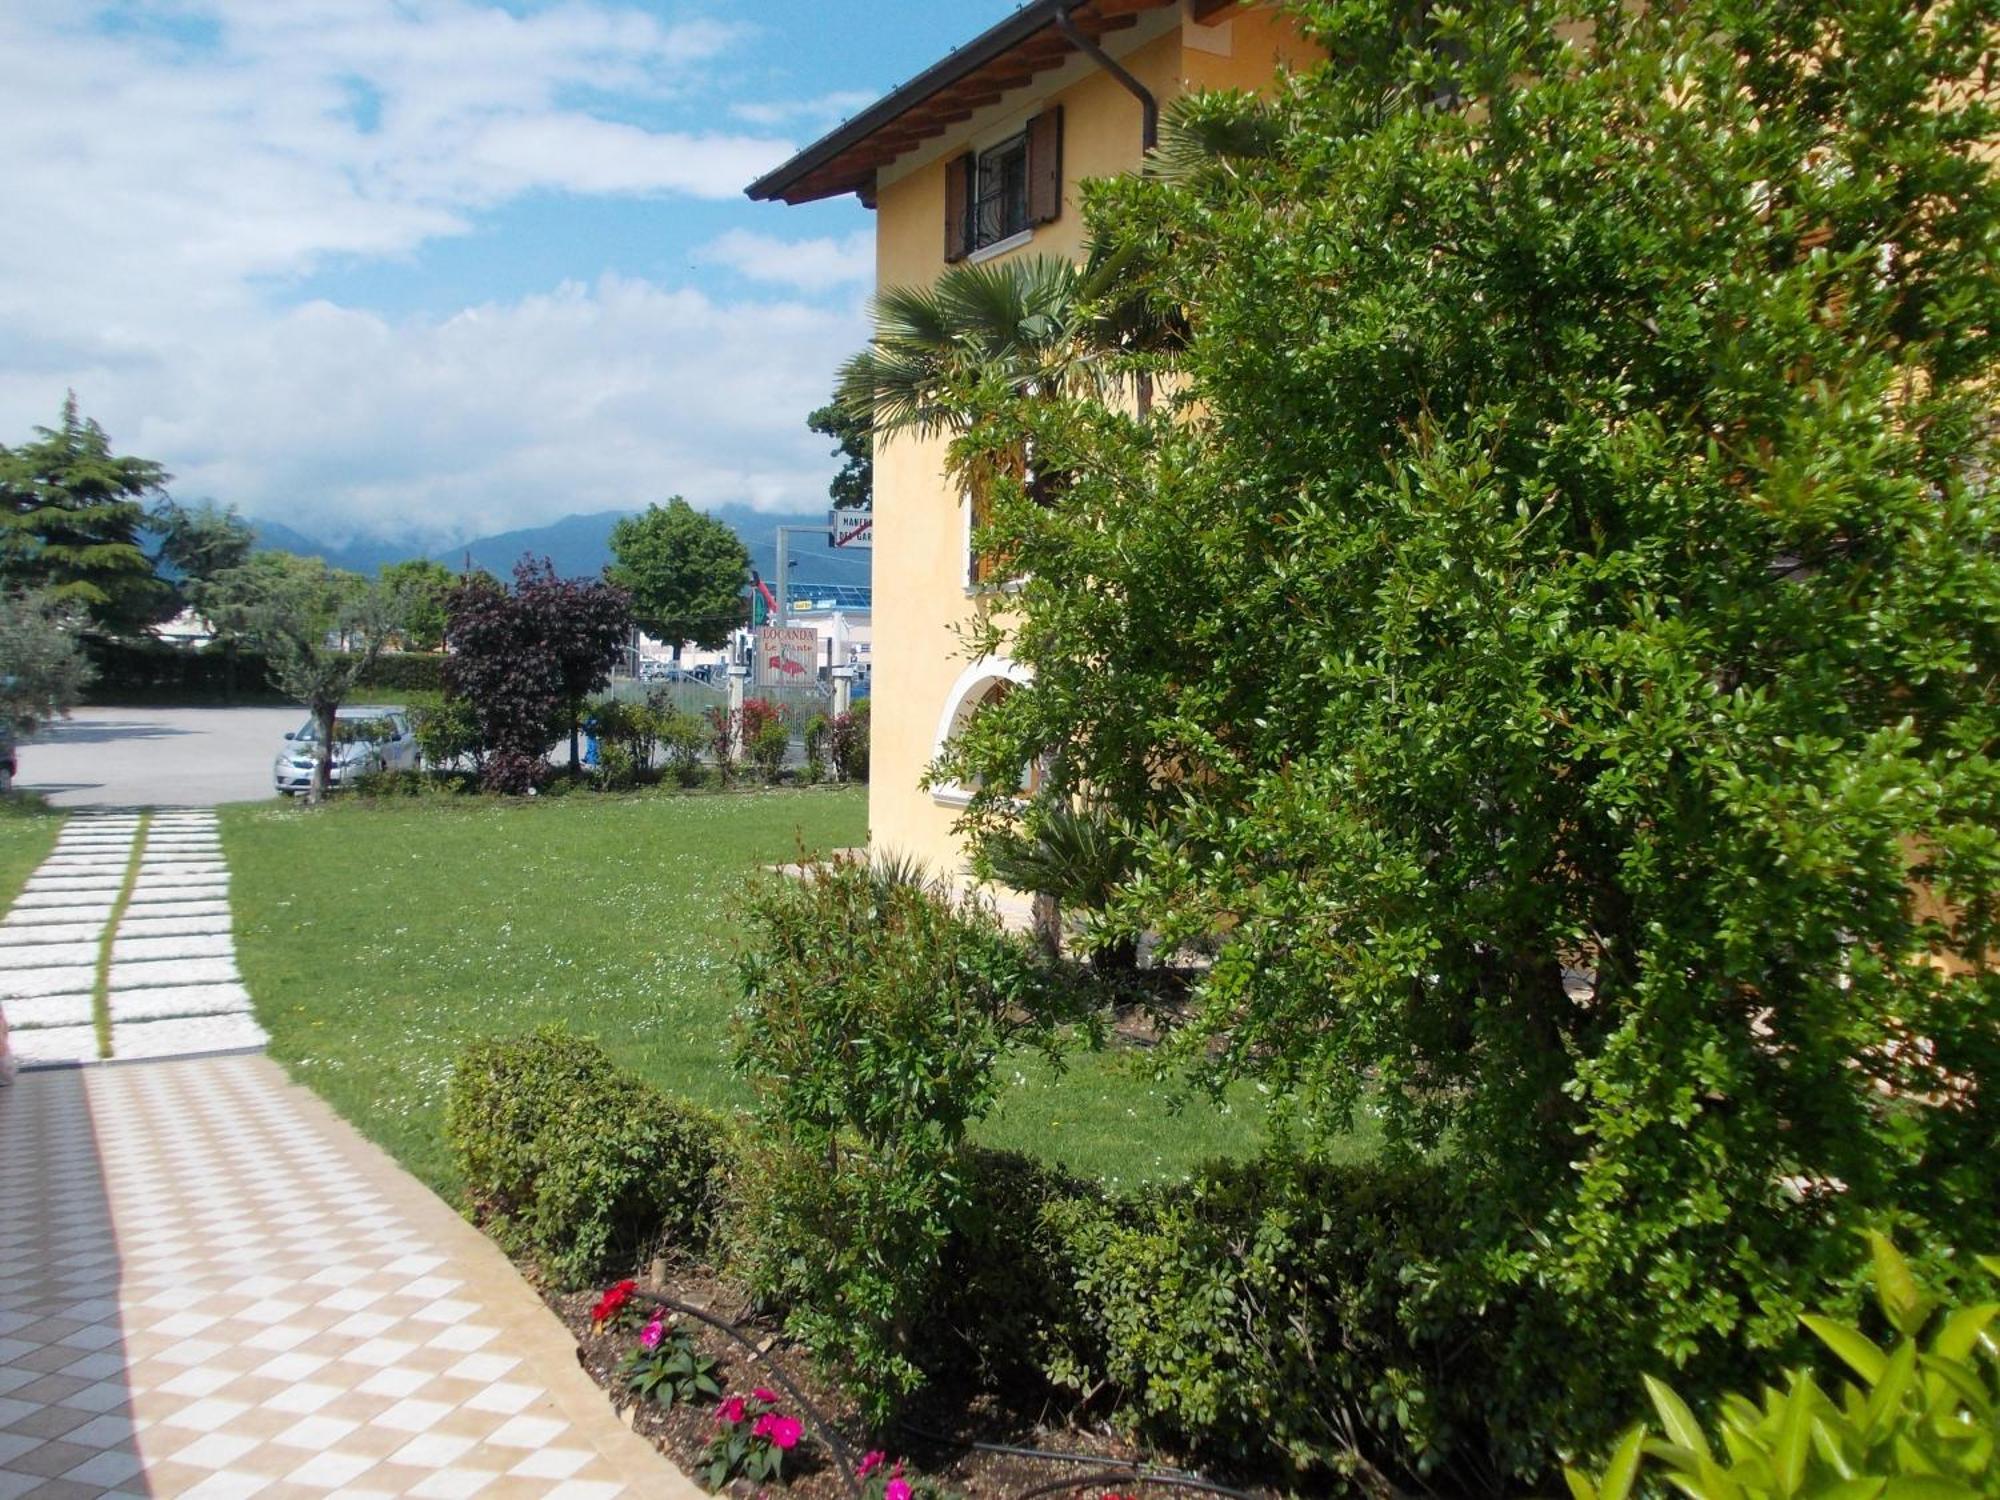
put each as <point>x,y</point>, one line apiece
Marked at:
<point>100,994</point>
<point>28,829</point>
<point>379,938</point>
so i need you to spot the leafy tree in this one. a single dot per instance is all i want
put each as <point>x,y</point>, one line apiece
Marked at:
<point>70,514</point>
<point>1550,642</point>
<point>201,542</point>
<point>43,669</point>
<point>232,600</point>
<point>527,659</point>
<point>853,488</point>
<point>423,586</point>
<point>584,625</point>
<point>321,634</point>
<point>684,571</point>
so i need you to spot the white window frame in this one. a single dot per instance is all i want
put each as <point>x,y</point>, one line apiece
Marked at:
<point>966,694</point>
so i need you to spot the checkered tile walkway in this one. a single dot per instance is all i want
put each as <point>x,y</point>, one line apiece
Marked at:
<point>171,986</point>
<point>211,1286</point>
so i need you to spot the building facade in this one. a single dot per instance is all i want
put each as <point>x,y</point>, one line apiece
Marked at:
<point>978,158</point>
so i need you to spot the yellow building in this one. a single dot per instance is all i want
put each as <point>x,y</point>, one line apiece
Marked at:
<point>980,157</point>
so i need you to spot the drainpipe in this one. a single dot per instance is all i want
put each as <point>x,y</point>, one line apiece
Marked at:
<point>1149,135</point>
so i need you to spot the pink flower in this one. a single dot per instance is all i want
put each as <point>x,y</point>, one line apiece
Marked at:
<point>762,1426</point>
<point>896,1489</point>
<point>785,1432</point>
<point>870,1462</point>
<point>652,1334</point>
<point>731,1411</point>
<point>769,1397</point>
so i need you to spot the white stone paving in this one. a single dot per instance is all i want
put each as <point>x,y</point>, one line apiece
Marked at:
<point>174,988</point>
<point>210,1286</point>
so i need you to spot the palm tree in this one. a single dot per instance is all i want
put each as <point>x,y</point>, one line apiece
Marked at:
<point>1037,326</point>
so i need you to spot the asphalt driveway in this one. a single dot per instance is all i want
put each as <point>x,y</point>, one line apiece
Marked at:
<point>157,757</point>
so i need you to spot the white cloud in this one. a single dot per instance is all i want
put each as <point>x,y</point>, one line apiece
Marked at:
<point>588,398</point>
<point>810,265</point>
<point>166,182</point>
<point>822,111</point>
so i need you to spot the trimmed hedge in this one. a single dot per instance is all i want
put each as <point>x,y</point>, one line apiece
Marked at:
<point>135,673</point>
<point>1268,1317</point>
<point>577,1161</point>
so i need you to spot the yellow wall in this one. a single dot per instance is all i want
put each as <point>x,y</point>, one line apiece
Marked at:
<point>920,595</point>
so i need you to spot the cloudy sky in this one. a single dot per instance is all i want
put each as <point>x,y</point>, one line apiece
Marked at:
<point>426,269</point>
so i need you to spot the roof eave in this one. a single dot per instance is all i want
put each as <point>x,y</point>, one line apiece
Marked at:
<point>994,42</point>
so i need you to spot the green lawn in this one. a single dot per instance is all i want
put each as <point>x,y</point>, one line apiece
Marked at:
<point>28,829</point>
<point>379,938</point>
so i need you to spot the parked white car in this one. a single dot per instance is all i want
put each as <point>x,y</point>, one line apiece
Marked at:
<point>365,740</point>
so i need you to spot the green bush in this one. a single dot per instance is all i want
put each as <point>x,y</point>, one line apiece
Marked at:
<point>1005,1310</point>
<point>396,673</point>
<point>1272,1314</point>
<point>628,739</point>
<point>876,1006</point>
<point>767,750</point>
<point>683,737</point>
<point>1918,1421</point>
<point>1548,643</point>
<point>849,743</point>
<point>576,1160</point>
<point>448,734</point>
<point>818,731</point>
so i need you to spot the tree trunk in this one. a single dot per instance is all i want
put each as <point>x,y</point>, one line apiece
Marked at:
<point>323,752</point>
<point>575,756</point>
<point>1047,921</point>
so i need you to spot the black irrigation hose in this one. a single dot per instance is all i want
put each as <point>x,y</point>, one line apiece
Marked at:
<point>846,1464</point>
<point>1107,1470</point>
<point>1126,1476</point>
<point>1129,1469</point>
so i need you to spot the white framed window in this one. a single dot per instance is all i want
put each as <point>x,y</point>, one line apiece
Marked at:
<point>979,686</point>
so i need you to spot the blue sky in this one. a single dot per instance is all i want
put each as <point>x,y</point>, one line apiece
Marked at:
<point>424,269</point>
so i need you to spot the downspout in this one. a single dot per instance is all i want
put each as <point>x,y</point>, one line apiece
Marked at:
<point>1149,130</point>
<point>1149,127</point>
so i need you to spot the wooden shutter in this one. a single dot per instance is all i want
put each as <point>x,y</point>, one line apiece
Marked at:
<point>958,207</point>
<point>1045,167</point>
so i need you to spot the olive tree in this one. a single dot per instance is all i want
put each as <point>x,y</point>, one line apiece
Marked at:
<point>43,668</point>
<point>321,631</point>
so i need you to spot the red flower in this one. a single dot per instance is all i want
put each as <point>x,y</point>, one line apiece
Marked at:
<point>614,1298</point>
<point>870,1462</point>
<point>769,1397</point>
<point>762,1426</point>
<point>785,1432</point>
<point>731,1411</point>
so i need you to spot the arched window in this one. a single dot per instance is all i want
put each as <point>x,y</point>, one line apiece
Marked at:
<point>979,687</point>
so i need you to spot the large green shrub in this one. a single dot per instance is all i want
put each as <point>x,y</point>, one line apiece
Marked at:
<point>1277,1315</point>
<point>876,1005</point>
<point>576,1160</point>
<point>1549,637</point>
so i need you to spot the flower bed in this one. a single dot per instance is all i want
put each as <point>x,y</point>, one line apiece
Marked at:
<point>687,1431</point>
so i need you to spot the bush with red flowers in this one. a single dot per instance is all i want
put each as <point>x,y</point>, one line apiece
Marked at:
<point>752,1437</point>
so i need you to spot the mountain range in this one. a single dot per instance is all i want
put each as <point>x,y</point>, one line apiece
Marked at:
<point>580,546</point>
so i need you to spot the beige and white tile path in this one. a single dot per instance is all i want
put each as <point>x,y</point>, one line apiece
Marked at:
<point>173,988</point>
<point>211,1286</point>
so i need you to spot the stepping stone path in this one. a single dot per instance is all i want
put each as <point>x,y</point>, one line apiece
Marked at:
<point>172,986</point>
